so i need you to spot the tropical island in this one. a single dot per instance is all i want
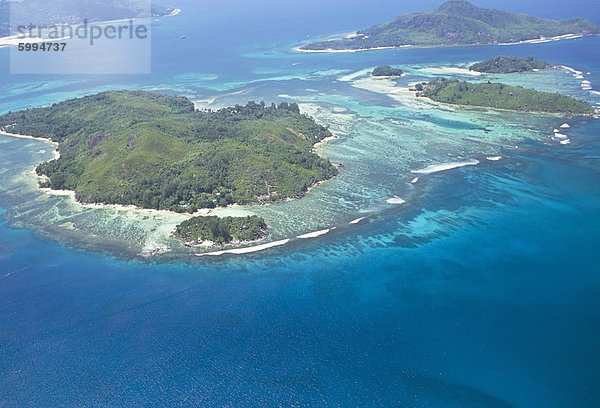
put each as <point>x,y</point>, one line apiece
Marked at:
<point>509,65</point>
<point>158,152</point>
<point>501,96</point>
<point>386,71</point>
<point>210,230</point>
<point>456,23</point>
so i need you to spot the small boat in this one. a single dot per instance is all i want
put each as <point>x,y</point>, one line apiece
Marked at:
<point>183,37</point>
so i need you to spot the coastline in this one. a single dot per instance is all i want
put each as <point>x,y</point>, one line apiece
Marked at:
<point>15,40</point>
<point>169,218</point>
<point>458,106</point>
<point>349,50</point>
<point>39,139</point>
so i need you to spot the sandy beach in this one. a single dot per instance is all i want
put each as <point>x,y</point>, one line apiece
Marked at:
<point>314,234</point>
<point>333,51</point>
<point>532,41</point>
<point>40,139</point>
<point>247,250</point>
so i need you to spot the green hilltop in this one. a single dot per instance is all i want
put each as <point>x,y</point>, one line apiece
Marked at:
<point>457,23</point>
<point>501,96</point>
<point>157,151</point>
<point>508,65</point>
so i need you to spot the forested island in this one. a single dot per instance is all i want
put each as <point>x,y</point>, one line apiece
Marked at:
<point>215,230</point>
<point>508,65</point>
<point>386,71</point>
<point>501,96</point>
<point>456,23</point>
<point>158,152</point>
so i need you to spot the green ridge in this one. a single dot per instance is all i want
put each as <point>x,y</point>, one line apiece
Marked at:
<point>457,23</point>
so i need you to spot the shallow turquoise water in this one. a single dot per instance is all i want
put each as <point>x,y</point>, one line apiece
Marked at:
<point>482,291</point>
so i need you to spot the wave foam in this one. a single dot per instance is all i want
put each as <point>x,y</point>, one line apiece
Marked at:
<point>395,200</point>
<point>314,234</point>
<point>356,221</point>
<point>434,168</point>
<point>572,70</point>
<point>239,251</point>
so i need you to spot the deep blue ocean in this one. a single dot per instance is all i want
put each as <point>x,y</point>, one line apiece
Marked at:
<point>483,292</point>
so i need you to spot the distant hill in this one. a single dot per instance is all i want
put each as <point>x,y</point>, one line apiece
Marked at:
<point>457,23</point>
<point>45,12</point>
<point>4,18</point>
<point>508,65</point>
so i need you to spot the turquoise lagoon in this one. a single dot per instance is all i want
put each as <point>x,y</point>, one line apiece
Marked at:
<point>479,291</point>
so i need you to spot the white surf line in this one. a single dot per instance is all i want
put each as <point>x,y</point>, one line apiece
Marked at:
<point>572,70</point>
<point>356,221</point>
<point>395,200</point>
<point>314,234</point>
<point>434,168</point>
<point>239,251</point>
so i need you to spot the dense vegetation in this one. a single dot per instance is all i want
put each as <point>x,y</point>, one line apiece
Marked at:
<point>157,151</point>
<point>221,230</point>
<point>45,12</point>
<point>507,65</point>
<point>457,23</point>
<point>503,97</point>
<point>386,70</point>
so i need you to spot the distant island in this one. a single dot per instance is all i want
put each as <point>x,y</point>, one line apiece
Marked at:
<point>45,12</point>
<point>4,18</point>
<point>158,152</point>
<point>508,65</point>
<point>386,71</point>
<point>456,23</point>
<point>214,230</point>
<point>501,96</point>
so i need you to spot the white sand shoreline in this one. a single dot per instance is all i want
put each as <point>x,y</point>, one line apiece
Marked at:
<point>246,250</point>
<point>314,234</point>
<point>171,217</point>
<point>532,41</point>
<point>15,40</point>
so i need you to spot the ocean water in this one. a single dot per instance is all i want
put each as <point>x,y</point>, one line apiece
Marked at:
<point>480,291</point>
